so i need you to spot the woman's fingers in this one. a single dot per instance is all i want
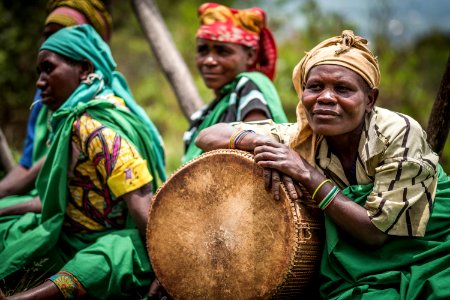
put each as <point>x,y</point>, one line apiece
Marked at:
<point>276,180</point>
<point>267,179</point>
<point>290,187</point>
<point>298,189</point>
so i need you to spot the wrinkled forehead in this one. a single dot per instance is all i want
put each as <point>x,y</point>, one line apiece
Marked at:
<point>337,72</point>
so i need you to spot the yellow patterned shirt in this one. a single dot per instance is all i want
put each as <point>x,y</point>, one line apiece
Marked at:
<point>103,167</point>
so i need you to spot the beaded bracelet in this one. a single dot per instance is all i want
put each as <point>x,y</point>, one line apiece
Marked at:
<point>329,198</point>
<point>318,187</point>
<point>233,136</point>
<point>239,135</point>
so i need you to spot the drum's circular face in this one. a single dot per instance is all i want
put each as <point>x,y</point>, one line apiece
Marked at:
<point>215,233</point>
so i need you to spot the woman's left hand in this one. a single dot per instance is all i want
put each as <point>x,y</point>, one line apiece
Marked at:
<point>280,157</point>
<point>273,180</point>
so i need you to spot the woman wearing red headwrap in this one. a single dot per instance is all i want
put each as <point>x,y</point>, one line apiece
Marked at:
<point>236,56</point>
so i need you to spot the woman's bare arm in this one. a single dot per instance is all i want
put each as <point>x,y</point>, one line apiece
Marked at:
<point>20,180</point>
<point>138,203</point>
<point>348,215</point>
<point>215,137</point>
<point>33,205</point>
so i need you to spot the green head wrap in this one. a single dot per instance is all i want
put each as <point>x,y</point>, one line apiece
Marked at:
<point>83,42</point>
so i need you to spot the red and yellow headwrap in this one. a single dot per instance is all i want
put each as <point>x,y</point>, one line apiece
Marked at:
<point>245,27</point>
<point>76,12</point>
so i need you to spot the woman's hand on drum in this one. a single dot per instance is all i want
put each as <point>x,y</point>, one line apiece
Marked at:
<point>280,157</point>
<point>218,136</point>
<point>272,181</point>
<point>281,164</point>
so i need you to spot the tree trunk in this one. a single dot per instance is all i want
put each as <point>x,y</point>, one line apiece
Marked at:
<point>168,57</point>
<point>6,158</point>
<point>439,120</point>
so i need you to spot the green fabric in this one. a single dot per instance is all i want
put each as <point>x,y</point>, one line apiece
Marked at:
<point>81,42</point>
<point>267,89</point>
<point>108,264</point>
<point>125,271</point>
<point>42,234</point>
<point>403,268</point>
<point>41,134</point>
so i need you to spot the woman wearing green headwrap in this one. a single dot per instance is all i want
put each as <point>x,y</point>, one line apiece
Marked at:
<point>103,164</point>
<point>385,198</point>
<point>18,186</point>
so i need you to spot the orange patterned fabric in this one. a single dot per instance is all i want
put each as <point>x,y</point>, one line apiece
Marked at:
<point>94,12</point>
<point>68,285</point>
<point>246,27</point>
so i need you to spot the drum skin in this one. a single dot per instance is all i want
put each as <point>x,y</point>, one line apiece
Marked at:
<point>214,232</point>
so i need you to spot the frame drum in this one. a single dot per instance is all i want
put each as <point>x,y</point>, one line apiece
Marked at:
<point>214,232</point>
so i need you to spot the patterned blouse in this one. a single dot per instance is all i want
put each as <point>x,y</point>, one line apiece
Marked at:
<point>393,155</point>
<point>103,167</point>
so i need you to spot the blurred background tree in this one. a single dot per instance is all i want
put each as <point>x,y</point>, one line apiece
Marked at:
<point>411,72</point>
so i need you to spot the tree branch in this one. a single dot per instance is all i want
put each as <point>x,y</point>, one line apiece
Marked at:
<point>439,120</point>
<point>168,57</point>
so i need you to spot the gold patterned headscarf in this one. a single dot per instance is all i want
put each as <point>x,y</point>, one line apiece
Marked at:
<point>347,50</point>
<point>77,12</point>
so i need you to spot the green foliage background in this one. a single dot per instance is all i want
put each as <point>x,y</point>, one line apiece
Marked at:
<point>411,74</point>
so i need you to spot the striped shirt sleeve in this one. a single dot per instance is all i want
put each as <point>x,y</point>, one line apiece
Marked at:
<point>250,99</point>
<point>405,181</point>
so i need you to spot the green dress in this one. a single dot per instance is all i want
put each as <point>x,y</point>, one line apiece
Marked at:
<point>403,268</point>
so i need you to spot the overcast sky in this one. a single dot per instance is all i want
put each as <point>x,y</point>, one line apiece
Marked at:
<point>409,17</point>
<point>406,19</point>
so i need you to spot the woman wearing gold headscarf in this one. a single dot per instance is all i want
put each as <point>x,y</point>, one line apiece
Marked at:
<point>371,171</point>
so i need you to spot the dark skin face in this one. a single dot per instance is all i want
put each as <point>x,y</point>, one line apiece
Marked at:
<point>336,100</point>
<point>58,77</point>
<point>219,63</point>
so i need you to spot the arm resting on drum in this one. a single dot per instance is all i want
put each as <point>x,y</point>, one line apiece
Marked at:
<point>218,137</point>
<point>138,203</point>
<point>215,137</point>
<point>348,215</point>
